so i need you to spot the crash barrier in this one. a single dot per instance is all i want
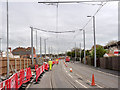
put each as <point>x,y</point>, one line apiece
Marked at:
<point>16,80</point>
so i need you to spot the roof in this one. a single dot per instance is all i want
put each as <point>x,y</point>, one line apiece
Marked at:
<point>112,45</point>
<point>23,51</point>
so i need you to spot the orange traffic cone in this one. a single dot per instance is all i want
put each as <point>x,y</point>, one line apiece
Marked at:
<point>93,80</point>
<point>70,69</point>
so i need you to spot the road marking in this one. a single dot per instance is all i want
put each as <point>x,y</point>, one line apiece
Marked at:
<point>107,73</point>
<point>79,76</point>
<point>81,84</point>
<point>96,84</point>
<point>99,86</point>
<point>70,75</point>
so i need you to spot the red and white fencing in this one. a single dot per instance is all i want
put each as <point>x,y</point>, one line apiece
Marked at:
<point>40,70</point>
<point>21,77</point>
<point>16,80</point>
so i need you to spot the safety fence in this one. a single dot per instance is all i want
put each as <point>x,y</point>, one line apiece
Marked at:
<point>16,80</point>
<point>40,70</point>
<point>23,76</point>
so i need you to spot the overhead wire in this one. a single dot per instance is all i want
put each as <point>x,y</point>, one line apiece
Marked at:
<point>91,18</point>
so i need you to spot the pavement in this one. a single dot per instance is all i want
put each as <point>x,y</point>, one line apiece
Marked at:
<point>81,77</point>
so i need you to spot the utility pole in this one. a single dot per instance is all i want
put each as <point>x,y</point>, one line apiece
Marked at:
<point>75,52</point>
<point>45,48</point>
<point>94,39</point>
<point>1,47</point>
<point>7,40</point>
<point>40,47</point>
<point>80,52</point>
<point>36,43</point>
<point>84,45</point>
<point>32,43</point>
<point>51,52</point>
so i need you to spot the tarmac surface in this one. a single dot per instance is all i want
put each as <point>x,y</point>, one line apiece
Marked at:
<point>80,77</point>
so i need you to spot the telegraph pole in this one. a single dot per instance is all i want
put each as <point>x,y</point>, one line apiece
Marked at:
<point>32,43</point>
<point>7,40</point>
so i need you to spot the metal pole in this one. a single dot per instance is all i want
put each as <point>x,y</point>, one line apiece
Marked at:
<point>1,47</point>
<point>84,47</point>
<point>36,41</point>
<point>40,47</point>
<point>75,52</point>
<point>7,41</point>
<point>32,43</point>
<point>94,41</point>
<point>45,48</point>
<point>80,52</point>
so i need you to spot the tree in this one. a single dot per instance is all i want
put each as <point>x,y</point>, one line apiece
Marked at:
<point>100,51</point>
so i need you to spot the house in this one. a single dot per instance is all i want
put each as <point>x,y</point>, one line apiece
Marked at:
<point>113,49</point>
<point>23,52</point>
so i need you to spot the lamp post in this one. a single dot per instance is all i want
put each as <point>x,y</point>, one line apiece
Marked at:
<point>94,39</point>
<point>84,45</point>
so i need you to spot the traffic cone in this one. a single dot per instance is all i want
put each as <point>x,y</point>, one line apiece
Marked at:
<point>70,69</point>
<point>93,80</point>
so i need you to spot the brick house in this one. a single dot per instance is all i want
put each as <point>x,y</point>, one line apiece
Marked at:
<point>23,52</point>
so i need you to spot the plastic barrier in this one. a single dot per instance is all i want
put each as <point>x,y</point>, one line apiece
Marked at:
<point>46,67</point>
<point>27,75</point>
<point>4,85</point>
<point>38,72</point>
<point>19,78</point>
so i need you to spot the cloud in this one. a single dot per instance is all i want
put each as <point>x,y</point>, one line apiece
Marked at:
<point>22,15</point>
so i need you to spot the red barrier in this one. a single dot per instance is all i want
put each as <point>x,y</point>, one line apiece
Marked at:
<point>13,82</point>
<point>4,85</point>
<point>27,75</point>
<point>38,72</point>
<point>46,67</point>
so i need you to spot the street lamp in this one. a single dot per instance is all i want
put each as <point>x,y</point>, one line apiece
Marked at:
<point>84,45</point>
<point>94,40</point>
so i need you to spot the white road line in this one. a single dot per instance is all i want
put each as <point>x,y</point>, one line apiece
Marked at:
<point>70,75</point>
<point>79,76</point>
<point>81,84</point>
<point>96,84</point>
<point>107,73</point>
<point>99,86</point>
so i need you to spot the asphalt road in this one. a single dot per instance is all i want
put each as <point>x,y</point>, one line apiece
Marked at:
<point>61,77</point>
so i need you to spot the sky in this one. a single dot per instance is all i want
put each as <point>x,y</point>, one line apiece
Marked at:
<point>71,17</point>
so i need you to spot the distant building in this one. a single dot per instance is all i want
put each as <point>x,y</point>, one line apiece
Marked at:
<point>23,52</point>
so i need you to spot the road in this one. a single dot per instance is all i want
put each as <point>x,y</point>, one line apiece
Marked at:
<point>61,77</point>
